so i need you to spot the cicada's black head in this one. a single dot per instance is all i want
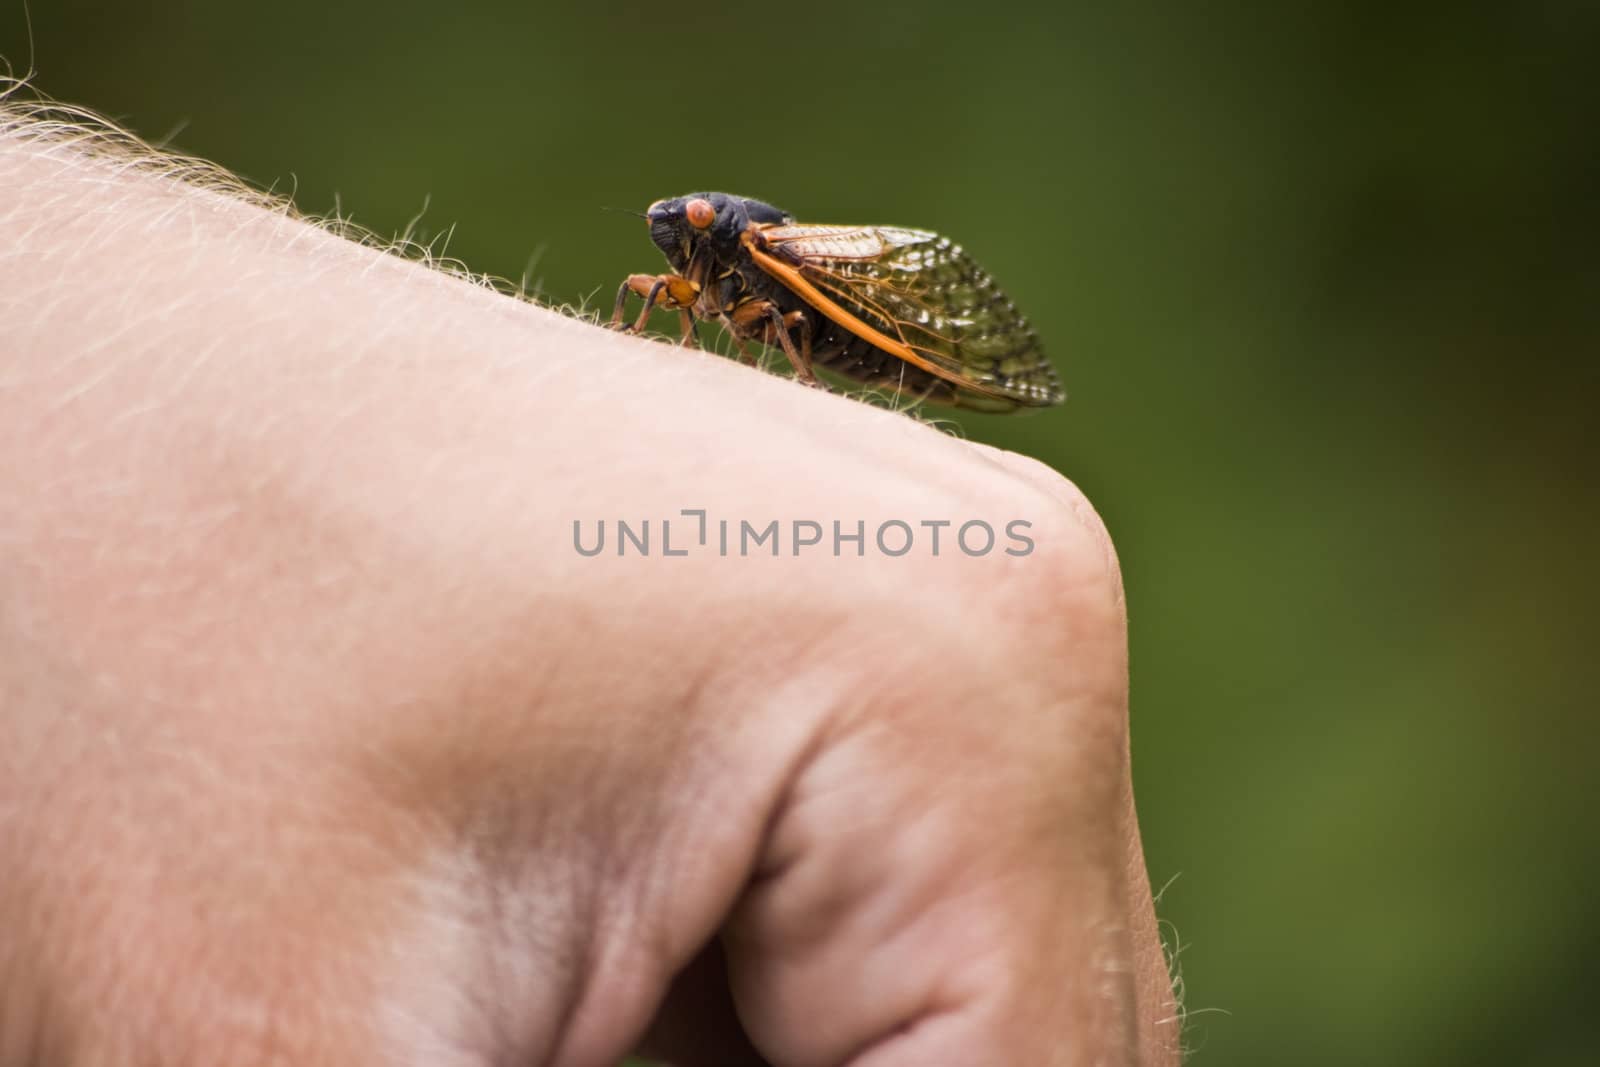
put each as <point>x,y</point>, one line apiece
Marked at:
<point>683,225</point>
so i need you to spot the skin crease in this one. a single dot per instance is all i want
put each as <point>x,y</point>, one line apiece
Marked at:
<point>320,744</point>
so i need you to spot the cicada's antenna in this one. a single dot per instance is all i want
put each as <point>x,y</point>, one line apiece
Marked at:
<point>626,211</point>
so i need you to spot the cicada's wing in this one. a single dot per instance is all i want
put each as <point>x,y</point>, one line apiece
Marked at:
<point>924,292</point>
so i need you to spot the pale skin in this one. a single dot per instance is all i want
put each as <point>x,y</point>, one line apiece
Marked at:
<point>320,744</point>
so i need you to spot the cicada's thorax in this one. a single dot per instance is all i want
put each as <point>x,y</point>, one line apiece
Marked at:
<point>725,278</point>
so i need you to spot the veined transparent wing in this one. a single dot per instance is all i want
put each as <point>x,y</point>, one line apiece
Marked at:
<point>921,289</point>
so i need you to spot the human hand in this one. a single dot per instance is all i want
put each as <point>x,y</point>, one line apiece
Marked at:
<point>323,744</point>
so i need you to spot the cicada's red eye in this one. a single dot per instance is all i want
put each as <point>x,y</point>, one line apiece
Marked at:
<point>700,213</point>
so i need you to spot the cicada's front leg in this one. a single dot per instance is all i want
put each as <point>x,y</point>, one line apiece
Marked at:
<point>671,291</point>
<point>762,320</point>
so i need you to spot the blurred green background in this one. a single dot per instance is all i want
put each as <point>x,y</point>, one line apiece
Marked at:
<point>1324,284</point>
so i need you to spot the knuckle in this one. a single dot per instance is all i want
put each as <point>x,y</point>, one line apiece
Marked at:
<point>1074,562</point>
<point>1061,608</point>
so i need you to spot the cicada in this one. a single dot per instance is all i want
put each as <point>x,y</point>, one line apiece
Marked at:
<point>893,308</point>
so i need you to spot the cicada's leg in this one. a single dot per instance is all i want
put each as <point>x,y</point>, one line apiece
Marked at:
<point>748,321</point>
<point>778,326</point>
<point>761,318</point>
<point>642,284</point>
<point>691,330</point>
<point>671,291</point>
<point>805,337</point>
